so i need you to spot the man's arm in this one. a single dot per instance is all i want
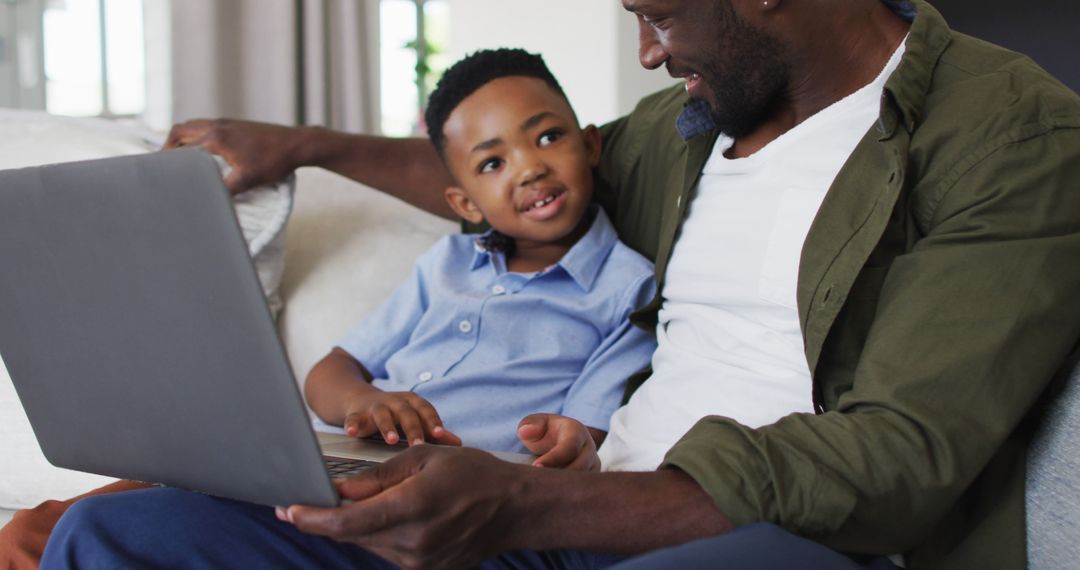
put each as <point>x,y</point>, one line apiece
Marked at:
<point>445,508</point>
<point>261,153</point>
<point>970,326</point>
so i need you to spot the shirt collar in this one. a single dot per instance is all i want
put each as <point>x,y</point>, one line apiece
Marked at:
<point>906,89</point>
<point>582,263</point>
<point>696,118</point>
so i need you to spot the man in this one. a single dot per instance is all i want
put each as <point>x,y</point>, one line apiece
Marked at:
<point>924,254</point>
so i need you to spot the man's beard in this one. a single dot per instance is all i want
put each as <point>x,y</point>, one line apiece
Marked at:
<point>747,79</point>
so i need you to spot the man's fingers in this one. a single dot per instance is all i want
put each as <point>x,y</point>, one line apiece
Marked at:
<point>382,476</point>
<point>236,181</point>
<point>333,523</point>
<point>184,134</point>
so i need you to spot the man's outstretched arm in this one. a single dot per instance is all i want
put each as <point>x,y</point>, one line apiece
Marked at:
<point>262,153</point>
<point>437,507</point>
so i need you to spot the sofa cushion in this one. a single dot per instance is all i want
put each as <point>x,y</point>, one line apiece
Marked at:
<point>1053,484</point>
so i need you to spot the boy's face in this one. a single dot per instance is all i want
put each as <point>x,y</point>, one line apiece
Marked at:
<point>521,161</point>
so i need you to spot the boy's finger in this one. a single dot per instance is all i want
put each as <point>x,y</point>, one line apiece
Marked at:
<point>384,420</point>
<point>564,451</point>
<point>587,460</point>
<point>357,425</point>
<point>433,425</point>
<point>410,423</point>
<point>446,437</point>
<point>559,456</point>
<point>532,430</point>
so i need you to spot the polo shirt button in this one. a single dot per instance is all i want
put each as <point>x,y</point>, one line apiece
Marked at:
<point>498,290</point>
<point>464,326</point>
<point>425,376</point>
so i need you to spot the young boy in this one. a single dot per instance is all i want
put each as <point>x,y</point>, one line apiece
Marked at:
<point>532,316</point>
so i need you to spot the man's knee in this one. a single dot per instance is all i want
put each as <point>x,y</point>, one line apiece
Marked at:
<point>23,539</point>
<point>90,529</point>
<point>81,516</point>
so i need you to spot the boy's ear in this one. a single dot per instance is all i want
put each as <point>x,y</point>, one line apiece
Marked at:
<point>593,144</point>
<point>461,204</point>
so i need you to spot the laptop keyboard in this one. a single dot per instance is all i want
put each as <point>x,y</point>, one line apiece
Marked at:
<point>338,467</point>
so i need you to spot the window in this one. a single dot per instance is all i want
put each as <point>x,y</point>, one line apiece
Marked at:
<point>410,63</point>
<point>95,61</point>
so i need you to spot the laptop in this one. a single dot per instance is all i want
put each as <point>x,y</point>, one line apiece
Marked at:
<point>138,338</point>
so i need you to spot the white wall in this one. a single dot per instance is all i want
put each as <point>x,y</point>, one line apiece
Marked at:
<point>590,46</point>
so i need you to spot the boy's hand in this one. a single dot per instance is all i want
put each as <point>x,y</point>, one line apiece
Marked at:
<point>382,412</point>
<point>560,442</point>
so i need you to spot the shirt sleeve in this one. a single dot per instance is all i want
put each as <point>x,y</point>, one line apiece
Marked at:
<point>388,328</point>
<point>971,325</point>
<point>598,391</point>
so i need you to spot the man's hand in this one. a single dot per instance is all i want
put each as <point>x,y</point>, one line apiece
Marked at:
<point>560,442</point>
<point>382,412</point>
<point>429,507</point>
<point>450,507</point>
<point>259,153</point>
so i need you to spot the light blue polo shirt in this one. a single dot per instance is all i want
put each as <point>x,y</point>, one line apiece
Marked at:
<point>488,347</point>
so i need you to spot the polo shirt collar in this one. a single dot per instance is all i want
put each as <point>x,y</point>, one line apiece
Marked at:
<point>585,258</point>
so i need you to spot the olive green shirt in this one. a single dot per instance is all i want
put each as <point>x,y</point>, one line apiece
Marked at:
<point>938,294</point>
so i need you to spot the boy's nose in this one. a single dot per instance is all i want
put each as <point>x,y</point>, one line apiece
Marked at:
<point>532,169</point>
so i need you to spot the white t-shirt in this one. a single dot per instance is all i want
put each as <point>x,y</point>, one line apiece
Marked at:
<point>728,336</point>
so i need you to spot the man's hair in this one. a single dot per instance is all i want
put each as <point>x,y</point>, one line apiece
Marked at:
<point>473,72</point>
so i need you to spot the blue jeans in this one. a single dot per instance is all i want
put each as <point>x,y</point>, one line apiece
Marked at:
<point>170,528</point>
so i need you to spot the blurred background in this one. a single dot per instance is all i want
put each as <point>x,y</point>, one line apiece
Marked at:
<point>366,65</point>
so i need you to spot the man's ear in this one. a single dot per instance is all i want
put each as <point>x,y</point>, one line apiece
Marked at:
<point>461,204</point>
<point>593,144</point>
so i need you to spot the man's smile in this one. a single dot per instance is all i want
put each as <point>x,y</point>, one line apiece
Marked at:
<point>693,80</point>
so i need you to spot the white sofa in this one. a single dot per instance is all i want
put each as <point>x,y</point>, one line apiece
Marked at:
<point>346,248</point>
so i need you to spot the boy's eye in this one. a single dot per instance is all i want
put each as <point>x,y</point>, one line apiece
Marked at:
<point>549,137</point>
<point>490,165</point>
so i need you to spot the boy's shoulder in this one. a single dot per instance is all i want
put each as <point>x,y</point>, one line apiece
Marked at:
<point>624,255</point>
<point>627,266</point>
<point>452,246</point>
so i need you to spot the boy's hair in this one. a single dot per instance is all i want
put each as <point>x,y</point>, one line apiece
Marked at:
<point>473,72</point>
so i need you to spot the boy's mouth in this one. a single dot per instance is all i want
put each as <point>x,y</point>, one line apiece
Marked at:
<point>540,199</point>
<point>543,205</point>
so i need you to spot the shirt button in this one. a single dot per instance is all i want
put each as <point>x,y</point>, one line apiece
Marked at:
<point>498,290</point>
<point>424,376</point>
<point>464,326</point>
